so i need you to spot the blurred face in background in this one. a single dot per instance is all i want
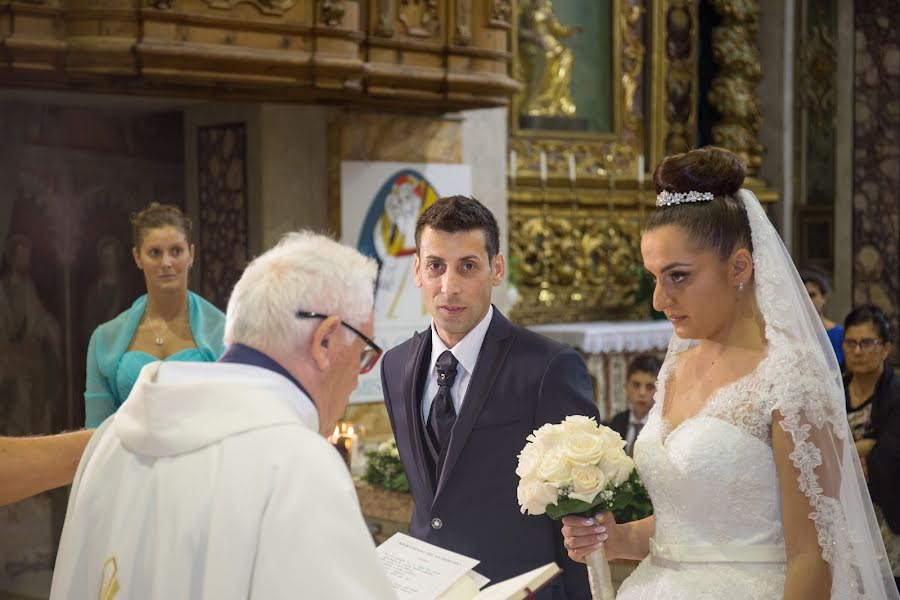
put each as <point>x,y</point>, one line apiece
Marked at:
<point>817,297</point>
<point>864,350</point>
<point>639,389</point>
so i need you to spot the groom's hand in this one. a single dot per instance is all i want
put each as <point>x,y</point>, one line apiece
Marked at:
<point>582,536</point>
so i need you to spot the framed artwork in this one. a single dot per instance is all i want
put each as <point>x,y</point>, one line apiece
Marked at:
<point>564,62</point>
<point>380,204</point>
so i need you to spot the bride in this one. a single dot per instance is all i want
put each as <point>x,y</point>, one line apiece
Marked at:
<point>747,455</point>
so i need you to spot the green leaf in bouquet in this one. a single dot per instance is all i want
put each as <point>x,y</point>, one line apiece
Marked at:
<point>629,502</point>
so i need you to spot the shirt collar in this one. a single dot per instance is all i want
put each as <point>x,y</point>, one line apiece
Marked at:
<point>632,420</point>
<point>467,349</point>
<point>239,353</point>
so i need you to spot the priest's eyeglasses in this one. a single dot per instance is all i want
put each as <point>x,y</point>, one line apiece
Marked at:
<point>369,356</point>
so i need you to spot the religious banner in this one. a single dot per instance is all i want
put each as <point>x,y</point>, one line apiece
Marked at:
<point>380,204</point>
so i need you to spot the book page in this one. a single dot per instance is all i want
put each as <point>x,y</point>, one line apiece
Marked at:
<point>513,589</point>
<point>419,571</point>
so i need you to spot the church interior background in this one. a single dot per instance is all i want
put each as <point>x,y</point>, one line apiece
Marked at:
<point>245,113</point>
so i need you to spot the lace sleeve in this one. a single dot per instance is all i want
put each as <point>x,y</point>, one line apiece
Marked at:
<point>808,407</point>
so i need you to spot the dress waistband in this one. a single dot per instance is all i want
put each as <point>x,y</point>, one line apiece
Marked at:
<point>763,553</point>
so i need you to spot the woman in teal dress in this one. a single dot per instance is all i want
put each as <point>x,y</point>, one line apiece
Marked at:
<point>169,322</point>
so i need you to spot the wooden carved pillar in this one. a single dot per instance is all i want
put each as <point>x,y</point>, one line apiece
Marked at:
<point>674,114</point>
<point>732,90</point>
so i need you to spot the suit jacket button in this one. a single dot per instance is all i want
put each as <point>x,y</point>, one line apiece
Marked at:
<point>436,523</point>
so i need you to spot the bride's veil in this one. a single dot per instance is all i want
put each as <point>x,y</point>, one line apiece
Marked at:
<point>810,401</point>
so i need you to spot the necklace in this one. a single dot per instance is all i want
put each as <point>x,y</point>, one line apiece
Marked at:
<point>157,339</point>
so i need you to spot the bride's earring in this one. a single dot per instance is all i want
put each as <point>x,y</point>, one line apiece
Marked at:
<point>741,287</point>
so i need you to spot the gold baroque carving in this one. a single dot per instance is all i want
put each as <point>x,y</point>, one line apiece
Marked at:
<point>575,264</point>
<point>732,89</point>
<point>419,17</point>
<point>500,14</point>
<point>267,7</point>
<point>462,34</point>
<point>332,12</point>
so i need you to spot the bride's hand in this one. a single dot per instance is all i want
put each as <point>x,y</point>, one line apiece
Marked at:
<point>582,536</point>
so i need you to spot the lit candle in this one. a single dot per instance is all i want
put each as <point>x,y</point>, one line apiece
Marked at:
<point>640,174</point>
<point>344,440</point>
<point>513,155</point>
<point>572,168</point>
<point>543,166</point>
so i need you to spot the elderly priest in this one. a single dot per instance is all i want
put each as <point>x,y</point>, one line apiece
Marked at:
<point>214,481</point>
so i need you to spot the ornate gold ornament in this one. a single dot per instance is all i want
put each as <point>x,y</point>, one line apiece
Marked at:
<point>546,63</point>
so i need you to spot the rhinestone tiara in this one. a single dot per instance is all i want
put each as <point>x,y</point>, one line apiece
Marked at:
<point>667,198</point>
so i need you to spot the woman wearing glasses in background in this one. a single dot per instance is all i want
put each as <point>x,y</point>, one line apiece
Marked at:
<point>873,408</point>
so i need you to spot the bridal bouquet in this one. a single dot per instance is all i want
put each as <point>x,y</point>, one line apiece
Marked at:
<point>578,467</point>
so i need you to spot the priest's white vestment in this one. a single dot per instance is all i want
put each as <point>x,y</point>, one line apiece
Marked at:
<point>212,482</point>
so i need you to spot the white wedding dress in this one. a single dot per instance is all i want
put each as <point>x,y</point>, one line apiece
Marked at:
<point>713,481</point>
<point>715,494</point>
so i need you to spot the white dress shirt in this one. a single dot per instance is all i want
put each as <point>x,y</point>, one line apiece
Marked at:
<point>466,351</point>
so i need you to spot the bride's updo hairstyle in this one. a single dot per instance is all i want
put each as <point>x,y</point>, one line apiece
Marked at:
<point>720,224</point>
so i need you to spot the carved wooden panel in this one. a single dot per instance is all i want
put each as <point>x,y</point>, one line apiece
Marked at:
<point>401,52</point>
<point>419,17</point>
<point>222,185</point>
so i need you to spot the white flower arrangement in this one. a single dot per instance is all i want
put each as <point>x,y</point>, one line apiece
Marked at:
<point>578,467</point>
<point>574,467</point>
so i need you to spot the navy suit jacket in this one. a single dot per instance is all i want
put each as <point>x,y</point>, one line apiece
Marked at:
<point>522,380</point>
<point>619,423</point>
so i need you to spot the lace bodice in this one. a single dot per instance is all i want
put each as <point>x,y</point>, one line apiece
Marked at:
<point>712,478</point>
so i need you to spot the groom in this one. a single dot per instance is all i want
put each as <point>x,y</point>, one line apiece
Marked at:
<point>463,396</point>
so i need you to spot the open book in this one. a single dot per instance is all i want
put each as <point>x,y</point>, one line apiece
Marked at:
<point>420,571</point>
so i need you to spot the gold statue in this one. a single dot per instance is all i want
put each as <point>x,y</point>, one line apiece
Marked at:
<point>545,63</point>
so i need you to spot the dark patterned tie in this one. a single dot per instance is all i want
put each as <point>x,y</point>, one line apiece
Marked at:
<point>443,415</point>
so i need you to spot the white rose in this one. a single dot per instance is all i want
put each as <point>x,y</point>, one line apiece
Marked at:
<point>583,448</point>
<point>575,423</point>
<point>611,439</point>
<point>529,459</point>
<point>550,435</point>
<point>617,466</point>
<point>554,467</point>
<point>588,481</point>
<point>534,496</point>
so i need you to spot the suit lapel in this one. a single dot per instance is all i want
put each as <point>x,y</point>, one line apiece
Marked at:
<point>413,377</point>
<point>493,353</point>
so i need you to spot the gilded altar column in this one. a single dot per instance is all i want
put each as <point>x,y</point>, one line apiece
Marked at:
<point>732,89</point>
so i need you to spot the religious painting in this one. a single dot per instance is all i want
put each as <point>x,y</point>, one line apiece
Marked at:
<point>564,62</point>
<point>380,204</point>
<point>70,178</point>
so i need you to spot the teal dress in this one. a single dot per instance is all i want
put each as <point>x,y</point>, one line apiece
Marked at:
<point>112,370</point>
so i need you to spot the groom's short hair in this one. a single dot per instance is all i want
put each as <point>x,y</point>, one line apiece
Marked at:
<point>454,214</point>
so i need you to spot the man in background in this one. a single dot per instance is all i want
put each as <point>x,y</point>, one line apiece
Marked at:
<point>640,386</point>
